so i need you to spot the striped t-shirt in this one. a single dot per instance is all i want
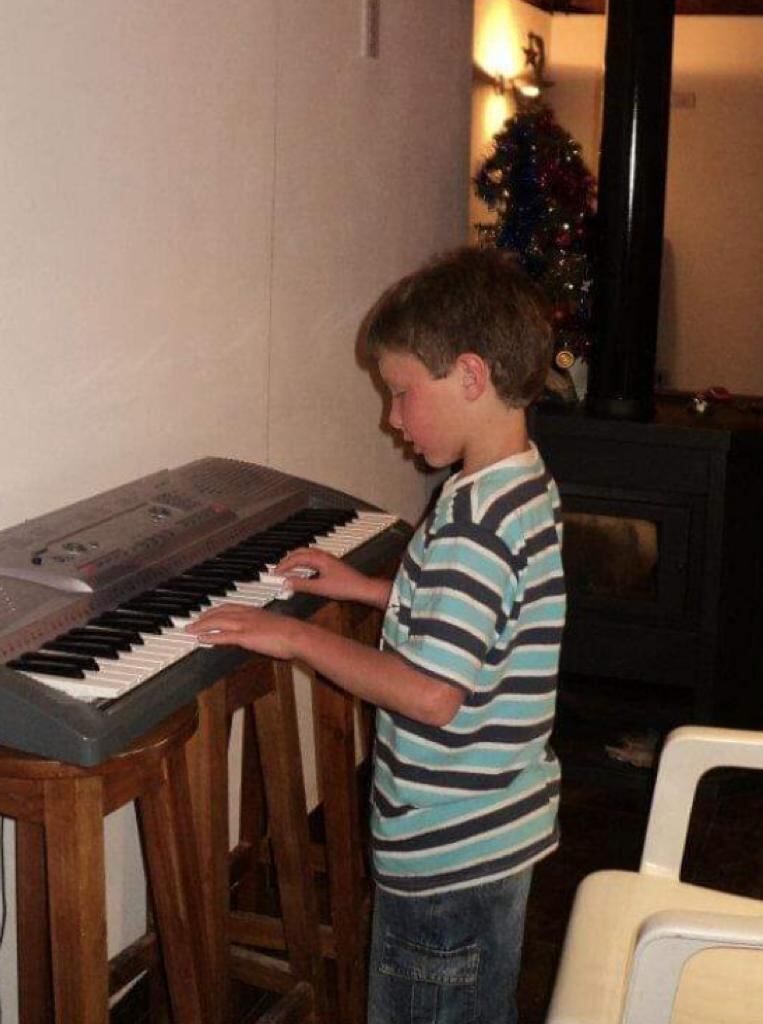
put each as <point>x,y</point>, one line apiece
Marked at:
<point>478,601</point>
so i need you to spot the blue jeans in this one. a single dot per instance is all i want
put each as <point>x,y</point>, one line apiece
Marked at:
<point>451,958</point>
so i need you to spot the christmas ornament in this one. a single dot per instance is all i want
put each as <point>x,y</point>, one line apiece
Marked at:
<point>564,359</point>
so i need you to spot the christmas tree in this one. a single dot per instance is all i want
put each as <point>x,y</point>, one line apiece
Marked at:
<point>543,195</point>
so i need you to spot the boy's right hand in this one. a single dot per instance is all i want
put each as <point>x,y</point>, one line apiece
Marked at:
<point>333,578</point>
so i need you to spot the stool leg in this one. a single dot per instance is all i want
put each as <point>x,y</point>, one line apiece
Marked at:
<point>158,993</point>
<point>77,898</point>
<point>33,928</point>
<point>347,890</point>
<point>252,818</point>
<point>208,769</point>
<point>167,821</point>
<point>287,810</point>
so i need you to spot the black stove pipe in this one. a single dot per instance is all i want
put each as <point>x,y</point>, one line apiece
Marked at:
<point>631,204</point>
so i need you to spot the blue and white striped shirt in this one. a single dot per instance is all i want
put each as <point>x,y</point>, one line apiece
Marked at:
<point>478,601</point>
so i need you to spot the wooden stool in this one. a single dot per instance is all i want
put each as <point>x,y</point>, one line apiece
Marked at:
<point>59,811</point>
<point>239,943</point>
<point>345,939</point>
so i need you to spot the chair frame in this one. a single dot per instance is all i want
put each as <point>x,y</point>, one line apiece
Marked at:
<point>667,939</point>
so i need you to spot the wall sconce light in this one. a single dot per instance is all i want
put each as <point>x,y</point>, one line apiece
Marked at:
<point>527,86</point>
<point>531,83</point>
<point>482,77</point>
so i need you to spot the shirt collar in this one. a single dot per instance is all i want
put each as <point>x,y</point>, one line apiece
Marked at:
<point>519,460</point>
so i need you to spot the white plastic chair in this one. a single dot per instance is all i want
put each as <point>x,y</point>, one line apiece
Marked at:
<point>646,948</point>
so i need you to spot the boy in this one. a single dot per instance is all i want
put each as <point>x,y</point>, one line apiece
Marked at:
<point>465,784</point>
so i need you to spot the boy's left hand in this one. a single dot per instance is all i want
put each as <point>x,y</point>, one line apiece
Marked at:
<point>252,628</point>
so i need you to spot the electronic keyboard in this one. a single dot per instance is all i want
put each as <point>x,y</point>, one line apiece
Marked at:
<point>95,597</point>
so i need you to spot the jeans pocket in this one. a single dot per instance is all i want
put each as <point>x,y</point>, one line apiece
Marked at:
<point>435,986</point>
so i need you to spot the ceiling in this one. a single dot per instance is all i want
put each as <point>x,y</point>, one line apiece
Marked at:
<point>754,7</point>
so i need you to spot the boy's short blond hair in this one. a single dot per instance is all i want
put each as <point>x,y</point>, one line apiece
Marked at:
<point>468,300</point>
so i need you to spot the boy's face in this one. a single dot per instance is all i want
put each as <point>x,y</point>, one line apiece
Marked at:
<point>426,410</point>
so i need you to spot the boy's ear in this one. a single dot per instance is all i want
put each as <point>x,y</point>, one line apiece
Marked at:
<point>475,374</point>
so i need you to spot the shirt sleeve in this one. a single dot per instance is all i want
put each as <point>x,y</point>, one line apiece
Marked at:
<point>458,607</point>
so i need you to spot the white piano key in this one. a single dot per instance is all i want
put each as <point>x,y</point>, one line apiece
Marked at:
<point>272,580</point>
<point>262,588</point>
<point>143,667</point>
<point>383,519</point>
<point>251,602</point>
<point>170,636</point>
<point>83,689</point>
<point>109,671</point>
<point>353,530</point>
<point>148,652</point>
<point>298,572</point>
<point>334,547</point>
<point>279,585</point>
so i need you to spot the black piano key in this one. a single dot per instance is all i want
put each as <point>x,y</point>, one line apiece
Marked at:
<point>121,639</point>
<point>130,620</point>
<point>255,565</point>
<point>158,605</point>
<point>210,587</point>
<point>266,553</point>
<point>314,525</point>
<point>38,659</point>
<point>268,537</point>
<point>259,542</point>
<point>207,568</point>
<point>158,618</point>
<point>207,578</point>
<point>239,570</point>
<point>334,516</point>
<point>284,546</point>
<point>199,598</point>
<point>183,601</point>
<point>233,556</point>
<point>245,561</point>
<point>304,525</point>
<point>94,648</point>
<point>296,535</point>
<point>48,668</point>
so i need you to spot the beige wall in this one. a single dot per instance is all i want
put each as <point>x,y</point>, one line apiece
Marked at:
<point>199,199</point>
<point>135,252</point>
<point>371,178</point>
<point>712,302</point>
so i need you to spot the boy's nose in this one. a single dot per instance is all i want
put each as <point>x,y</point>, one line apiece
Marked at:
<point>394,419</point>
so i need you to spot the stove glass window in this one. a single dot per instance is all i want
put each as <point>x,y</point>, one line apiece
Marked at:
<point>614,556</point>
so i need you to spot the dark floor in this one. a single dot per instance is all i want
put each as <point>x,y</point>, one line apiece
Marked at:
<point>604,807</point>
